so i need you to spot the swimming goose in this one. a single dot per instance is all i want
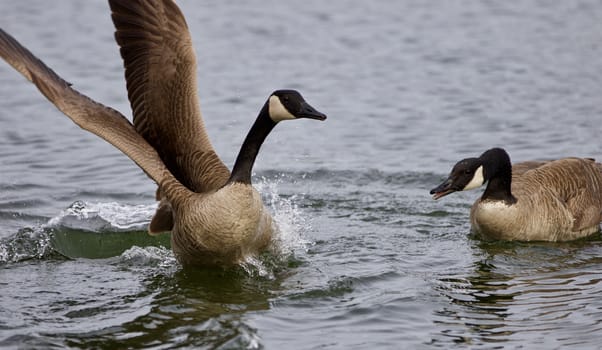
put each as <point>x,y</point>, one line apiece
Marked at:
<point>557,200</point>
<point>216,218</point>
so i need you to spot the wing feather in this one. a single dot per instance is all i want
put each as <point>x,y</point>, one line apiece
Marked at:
<point>576,182</point>
<point>92,116</point>
<point>160,71</point>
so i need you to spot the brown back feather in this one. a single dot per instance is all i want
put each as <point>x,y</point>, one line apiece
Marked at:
<point>577,182</point>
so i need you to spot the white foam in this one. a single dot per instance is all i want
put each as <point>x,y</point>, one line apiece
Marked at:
<point>4,255</point>
<point>289,226</point>
<point>113,216</point>
<point>288,217</point>
<point>101,216</point>
<point>149,256</point>
<point>26,244</point>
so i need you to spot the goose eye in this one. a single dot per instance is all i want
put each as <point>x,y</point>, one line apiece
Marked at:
<point>467,171</point>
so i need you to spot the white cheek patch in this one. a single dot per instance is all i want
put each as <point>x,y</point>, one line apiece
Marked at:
<point>277,110</point>
<point>477,180</point>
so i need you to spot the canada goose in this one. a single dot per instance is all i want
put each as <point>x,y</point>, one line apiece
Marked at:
<point>216,218</point>
<point>557,200</point>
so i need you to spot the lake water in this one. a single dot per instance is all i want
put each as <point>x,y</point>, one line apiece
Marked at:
<point>365,258</point>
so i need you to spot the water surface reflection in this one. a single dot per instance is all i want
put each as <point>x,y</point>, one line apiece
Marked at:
<point>546,292</point>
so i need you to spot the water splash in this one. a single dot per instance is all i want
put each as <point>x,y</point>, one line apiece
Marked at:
<point>110,216</point>
<point>288,229</point>
<point>83,218</point>
<point>27,243</point>
<point>149,256</point>
<point>98,220</point>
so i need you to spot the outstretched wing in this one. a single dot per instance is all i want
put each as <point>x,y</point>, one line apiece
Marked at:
<point>85,112</point>
<point>160,71</point>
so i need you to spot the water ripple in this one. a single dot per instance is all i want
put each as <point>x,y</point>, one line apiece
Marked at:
<point>504,303</point>
<point>366,259</point>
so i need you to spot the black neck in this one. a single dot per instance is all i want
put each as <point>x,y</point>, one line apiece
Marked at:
<point>497,170</point>
<point>250,147</point>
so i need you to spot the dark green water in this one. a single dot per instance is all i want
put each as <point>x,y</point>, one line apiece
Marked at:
<point>365,259</point>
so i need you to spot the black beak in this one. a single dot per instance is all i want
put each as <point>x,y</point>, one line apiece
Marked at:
<point>309,112</point>
<point>443,190</point>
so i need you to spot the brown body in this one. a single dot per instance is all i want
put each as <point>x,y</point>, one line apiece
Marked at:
<point>230,225</point>
<point>558,200</point>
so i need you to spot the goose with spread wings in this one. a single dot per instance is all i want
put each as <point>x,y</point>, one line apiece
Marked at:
<point>216,217</point>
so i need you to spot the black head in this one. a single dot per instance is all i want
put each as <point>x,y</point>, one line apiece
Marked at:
<point>493,166</point>
<point>465,175</point>
<point>289,104</point>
